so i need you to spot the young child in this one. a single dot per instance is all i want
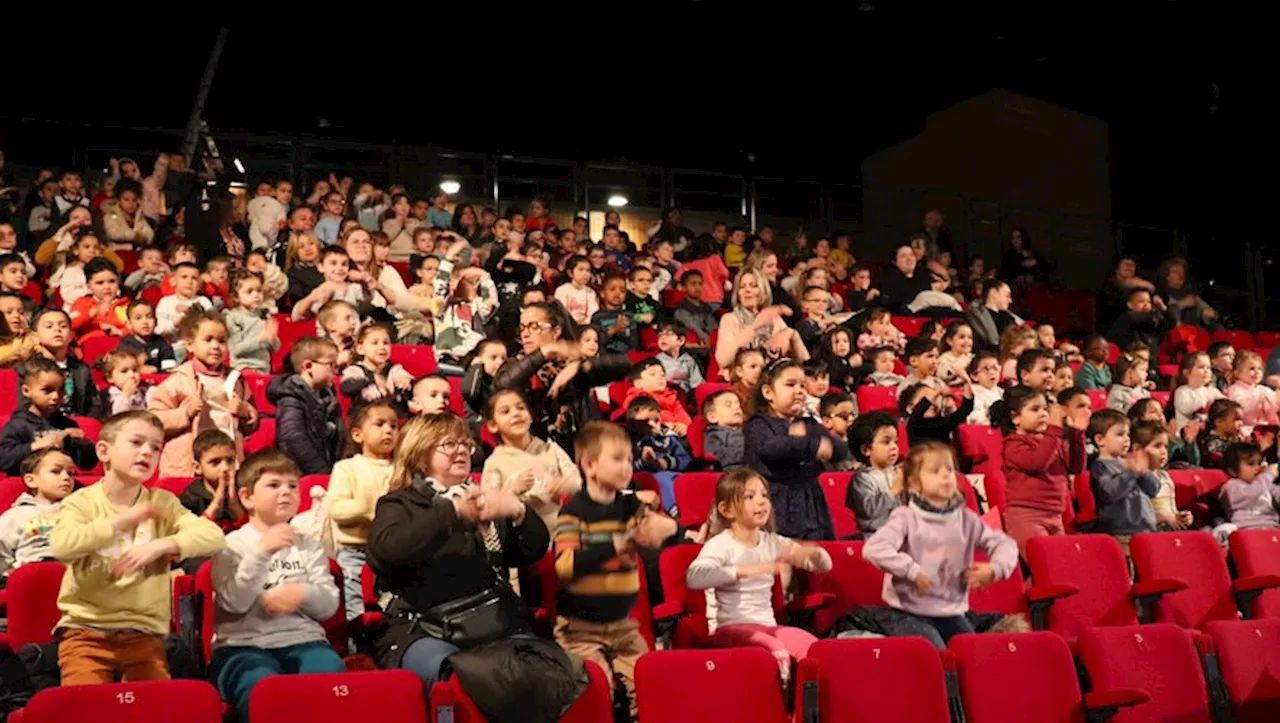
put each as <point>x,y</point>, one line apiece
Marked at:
<point>41,424</point>
<point>272,588</point>
<point>150,272</point>
<point>1130,375</point>
<point>102,311</point>
<point>1223,358</point>
<point>301,266</point>
<point>576,295</point>
<point>648,379</point>
<point>958,342</point>
<point>737,565</point>
<point>334,265</point>
<point>878,331</point>
<point>179,253</point>
<point>723,438</point>
<point>115,538</point>
<point>642,307</point>
<point>1013,342</point>
<point>1151,439</point>
<point>70,280</point>
<point>1064,377</point>
<point>212,494</point>
<point>926,549</point>
<point>1193,389</point>
<point>172,308</point>
<point>355,485</point>
<point>922,363</point>
<point>838,412</point>
<point>616,325</point>
<point>14,276</point>
<point>1180,445</point>
<point>308,416</point>
<point>596,542</point>
<point>1047,338</point>
<point>252,333</point>
<point>339,321</point>
<point>1043,446</point>
<point>1035,369</point>
<point>1224,427</point>
<point>692,311</point>
<point>985,371</point>
<point>926,410</point>
<point>1121,479</point>
<point>200,394</point>
<point>477,383</point>
<point>875,490</point>
<point>838,352</point>
<point>816,386</point>
<point>142,339</point>
<point>882,366</point>
<point>680,368</point>
<point>1250,498</point>
<point>17,341</point>
<point>744,375</point>
<point>126,390</point>
<point>372,376</point>
<point>432,394</point>
<point>1257,401</point>
<point>214,281</point>
<point>657,448</point>
<point>53,337</point>
<point>789,450</point>
<point>24,528</point>
<point>1094,373</point>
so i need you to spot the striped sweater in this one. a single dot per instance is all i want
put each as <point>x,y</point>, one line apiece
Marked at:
<point>596,583</point>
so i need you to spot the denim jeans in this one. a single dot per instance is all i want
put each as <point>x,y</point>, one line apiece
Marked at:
<point>424,657</point>
<point>237,670</point>
<point>351,561</point>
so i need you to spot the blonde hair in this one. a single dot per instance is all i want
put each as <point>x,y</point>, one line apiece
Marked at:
<point>730,489</point>
<point>916,457</point>
<point>591,439</point>
<point>291,254</point>
<point>766,294</point>
<point>1014,336</point>
<point>418,440</point>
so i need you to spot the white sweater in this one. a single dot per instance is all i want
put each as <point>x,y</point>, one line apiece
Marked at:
<point>740,602</point>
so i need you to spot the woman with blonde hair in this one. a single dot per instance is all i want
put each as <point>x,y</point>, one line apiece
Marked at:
<point>441,545</point>
<point>756,323</point>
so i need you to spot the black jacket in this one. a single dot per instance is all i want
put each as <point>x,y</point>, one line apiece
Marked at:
<point>576,398</point>
<point>896,290</point>
<point>22,430</point>
<point>84,400</point>
<point>422,553</point>
<point>308,423</point>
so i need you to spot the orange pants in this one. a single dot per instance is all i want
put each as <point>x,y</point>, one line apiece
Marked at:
<point>90,656</point>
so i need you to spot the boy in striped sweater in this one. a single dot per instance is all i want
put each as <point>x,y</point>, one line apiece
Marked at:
<point>596,540</point>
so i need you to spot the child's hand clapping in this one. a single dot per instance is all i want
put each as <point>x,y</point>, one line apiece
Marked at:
<point>1079,418</point>
<point>270,329</point>
<point>654,530</point>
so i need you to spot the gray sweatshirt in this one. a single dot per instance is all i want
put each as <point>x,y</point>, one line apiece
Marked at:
<point>248,350</point>
<point>741,602</point>
<point>242,572</point>
<point>1124,497</point>
<point>24,532</point>
<point>869,498</point>
<point>725,444</point>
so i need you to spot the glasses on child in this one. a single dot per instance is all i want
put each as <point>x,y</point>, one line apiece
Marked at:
<point>451,446</point>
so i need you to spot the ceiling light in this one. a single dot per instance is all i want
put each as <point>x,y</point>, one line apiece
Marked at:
<point>450,187</point>
<point>617,201</point>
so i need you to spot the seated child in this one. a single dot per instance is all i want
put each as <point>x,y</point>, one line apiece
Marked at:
<point>1063,376</point>
<point>272,588</point>
<point>922,363</point>
<point>274,282</point>
<point>692,311</point>
<point>432,394</point>
<point>372,376</point>
<point>882,365</point>
<point>680,368</point>
<point>252,333</point>
<point>1180,445</point>
<point>1130,385</point>
<point>1035,369</point>
<point>643,308</point>
<point>616,325</point>
<point>126,390</point>
<point>838,413</point>
<point>985,370</point>
<point>14,276</point>
<point>102,311</point>
<point>335,265</point>
<point>41,424</point>
<point>179,253</point>
<point>214,282</point>
<point>657,447</point>
<point>1251,498</point>
<point>957,343</point>
<point>171,309</point>
<point>649,380</point>
<point>115,599</point>
<point>1258,404</point>
<point>24,528</point>
<point>879,331</point>
<point>1224,427</point>
<point>150,272</point>
<point>816,386</point>
<point>477,383</point>
<point>723,439</point>
<point>1152,439</point>
<point>1121,479</point>
<point>737,566</point>
<point>926,548</point>
<point>142,338</point>
<point>53,337</point>
<point>212,494</point>
<point>1013,343</point>
<point>339,321</point>
<point>1094,373</point>
<point>17,341</point>
<point>744,375</point>
<point>1047,338</point>
<point>1223,358</point>
<point>308,416</point>
<point>875,490</point>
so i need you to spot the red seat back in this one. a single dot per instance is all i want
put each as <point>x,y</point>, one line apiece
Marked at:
<point>697,437</point>
<point>706,389</point>
<point>1159,659</point>
<point>396,695</point>
<point>695,494</point>
<point>672,566</point>
<point>853,581</point>
<point>1249,658</point>
<point>1188,484</point>
<point>189,701</point>
<point>835,487</point>
<point>1007,597</point>
<point>417,359</point>
<point>174,485</point>
<point>263,437</point>
<point>1240,339</point>
<point>730,684</point>
<point>877,399</point>
<point>1097,399</point>
<point>905,674</point>
<point>304,489</point>
<point>1084,498</point>
<point>1196,558</point>
<point>34,291</point>
<point>909,325</point>
<point>31,598</point>
<point>1268,339</point>
<point>8,394</point>
<point>1257,552</point>
<point>1026,676</point>
<point>95,347</point>
<point>257,383</point>
<point>11,488</point>
<point>1095,565</point>
<point>289,332</point>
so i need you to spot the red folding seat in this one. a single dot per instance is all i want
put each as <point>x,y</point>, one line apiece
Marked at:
<point>648,339</point>
<point>34,291</point>
<point>1249,660</point>
<point>1088,506</point>
<point>835,487</point>
<point>1238,338</point>
<point>706,389</point>
<point>457,404</point>
<point>257,383</point>
<point>1082,581</point>
<point>174,485</point>
<point>31,599</point>
<point>1026,676</point>
<point>1268,339</point>
<point>402,268</point>
<point>1190,484</point>
<point>189,701</point>
<point>695,495</point>
<point>886,679</point>
<point>396,695</point>
<point>304,489</point>
<point>729,684</point>
<point>96,347</point>
<point>129,257</point>
<point>289,332</point>
<point>263,437</point>
<point>1113,352</point>
<point>697,437</point>
<point>877,399</point>
<point>1098,399</point>
<point>1007,597</point>
<point>909,325</point>
<point>1160,660</point>
<point>450,702</point>
<point>1256,553</point>
<point>1162,398</point>
<point>980,445</point>
<point>11,488</point>
<point>852,582</point>
<point>1195,561</point>
<point>8,394</point>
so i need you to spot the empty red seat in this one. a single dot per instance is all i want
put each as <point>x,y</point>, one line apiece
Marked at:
<point>696,436</point>
<point>695,494</point>
<point>1235,337</point>
<point>457,404</point>
<point>852,582</point>
<point>1268,339</point>
<point>729,684</point>
<point>95,347</point>
<point>175,485</point>
<point>189,701</point>
<point>1098,399</point>
<point>8,394</point>
<point>1249,659</point>
<point>897,679</point>
<point>1189,484</point>
<point>835,487</point>
<point>1257,552</point>
<point>11,488</point>
<point>396,696</point>
<point>1196,561</point>
<point>263,437</point>
<point>304,489</point>
<point>1162,398</point>
<point>31,597</point>
<point>909,325</point>
<point>1087,512</point>
<point>1161,660</point>
<point>257,383</point>
<point>877,399</point>
<point>34,291</point>
<point>1026,676</point>
<point>289,332</point>
<point>417,359</point>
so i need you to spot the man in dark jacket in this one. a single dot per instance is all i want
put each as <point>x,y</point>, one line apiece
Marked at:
<point>308,418</point>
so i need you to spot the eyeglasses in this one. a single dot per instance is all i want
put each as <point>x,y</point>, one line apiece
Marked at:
<point>535,326</point>
<point>451,446</point>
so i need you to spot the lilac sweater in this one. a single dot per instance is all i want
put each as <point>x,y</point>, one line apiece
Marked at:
<point>941,544</point>
<point>1253,505</point>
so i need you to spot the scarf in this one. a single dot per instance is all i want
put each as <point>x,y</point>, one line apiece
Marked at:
<point>955,503</point>
<point>488,531</point>
<point>761,338</point>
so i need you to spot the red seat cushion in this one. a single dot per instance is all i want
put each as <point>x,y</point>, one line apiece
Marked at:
<point>396,695</point>
<point>730,684</point>
<point>1159,659</point>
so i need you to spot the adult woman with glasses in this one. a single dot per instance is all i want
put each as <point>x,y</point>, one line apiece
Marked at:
<point>555,376</point>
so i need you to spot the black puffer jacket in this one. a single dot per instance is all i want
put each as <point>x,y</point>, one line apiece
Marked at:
<point>575,400</point>
<point>308,423</point>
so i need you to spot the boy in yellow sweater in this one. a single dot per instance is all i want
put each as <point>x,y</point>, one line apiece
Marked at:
<point>116,538</point>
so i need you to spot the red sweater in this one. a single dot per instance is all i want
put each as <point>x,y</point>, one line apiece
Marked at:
<point>1036,468</point>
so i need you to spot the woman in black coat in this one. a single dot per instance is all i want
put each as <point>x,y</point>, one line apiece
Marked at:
<point>560,403</point>
<point>428,546</point>
<point>900,283</point>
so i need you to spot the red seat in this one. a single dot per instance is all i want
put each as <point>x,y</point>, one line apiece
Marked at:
<point>706,389</point>
<point>263,437</point>
<point>1162,398</point>
<point>457,404</point>
<point>289,331</point>
<point>835,487</point>
<point>852,582</point>
<point>92,429</point>
<point>1159,659</point>
<point>1240,339</point>
<point>153,295</point>
<point>257,383</point>
<point>1189,484</point>
<point>695,494</point>
<point>687,607</point>
<point>1113,352</point>
<point>1007,597</point>
<point>189,701</point>
<point>908,325</point>
<point>1086,580</point>
<point>402,268</point>
<point>31,597</point>
<point>396,695</point>
<point>8,394</point>
<point>1027,676</point>
<point>1249,659</point>
<point>1256,553</point>
<point>129,257</point>
<point>95,347</point>
<point>34,291</point>
<point>729,684</point>
<point>417,359</point>
<point>304,489</point>
<point>1196,560</point>
<point>11,488</point>
<point>175,485</point>
<point>1098,399</point>
<point>898,679</point>
<point>1268,339</point>
<point>697,437</point>
<point>877,399</point>
<point>648,339</point>
<point>449,702</point>
<point>980,444</point>
<point>1088,506</point>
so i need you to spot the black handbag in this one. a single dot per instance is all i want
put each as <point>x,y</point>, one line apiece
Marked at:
<point>475,619</point>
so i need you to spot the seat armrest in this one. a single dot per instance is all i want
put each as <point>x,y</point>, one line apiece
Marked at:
<point>1040,598</point>
<point>668,611</point>
<point>1146,593</point>
<point>1102,705</point>
<point>1248,588</point>
<point>810,602</point>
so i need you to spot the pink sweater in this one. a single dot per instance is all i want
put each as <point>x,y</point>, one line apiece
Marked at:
<point>1257,401</point>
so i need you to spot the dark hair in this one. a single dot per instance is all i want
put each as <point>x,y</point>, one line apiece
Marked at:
<point>689,274</point>
<point>770,375</point>
<point>137,303</point>
<point>38,365</point>
<point>637,269</point>
<point>1124,364</point>
<point>710,402</point>
<point>358,418</point>
<point>907,398</point>
<point>1220,408</point>
<point>195,316</point>
<point>1237,453</point>
<point>237,278</point>
<point>815,368</point>
<point>1216,348</point>
<point>1104,419</point>
<point>676,327</point>
<point>1003,410</point>
<point>875,312</point>
<point>953,330</point>
<point>1139,407</point>
<point>929,328</point>
<point>185,265</point>
<point>863,432</point>
<point>641,367</point>
<point>211,439</point>
<point>1028,359</point>
<point>12,258</point>
<point>919,346</point>
<point>831,400</point>
<point>1131,293</point>
<point>334,250</point>
<point>1070,393</point>
<point>640,404</point>
<point>1026,237</point>
<point>1187,364</point>
<point>979,357</point>
<point>1143,433</point>
<point>97,266</point>
<point>31,462</point>
<point>704,246</point>
<point>263,462</point>
<point>492,407</point>
<point>558,317</point>
<point>826,349</point>
<point>989,285</point>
